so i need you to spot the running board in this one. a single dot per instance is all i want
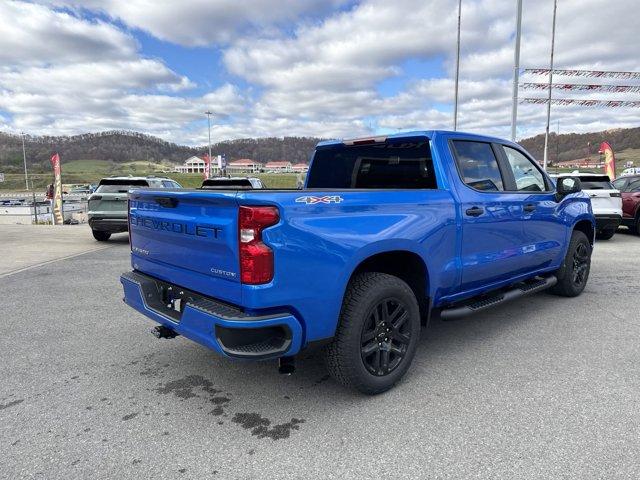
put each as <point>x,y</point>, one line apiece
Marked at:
<point>477,305</point>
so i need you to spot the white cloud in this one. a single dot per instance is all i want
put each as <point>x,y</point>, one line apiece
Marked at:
<point>201,22</point>
<point>33,34</point>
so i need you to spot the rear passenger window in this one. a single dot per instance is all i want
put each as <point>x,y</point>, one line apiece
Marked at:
<point>478,165</point>
<point>633,187</point>
<point>527,176</point>
<point>619,184</point>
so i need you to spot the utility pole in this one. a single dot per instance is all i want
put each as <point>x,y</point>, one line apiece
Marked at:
<point>516,71</point>
<point>553,41</point>
<point>455,99</point>
<point>208,114</point>
<point>24,158</point>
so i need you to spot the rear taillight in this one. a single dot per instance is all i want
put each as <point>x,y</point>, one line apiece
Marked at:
<point>256,259</point>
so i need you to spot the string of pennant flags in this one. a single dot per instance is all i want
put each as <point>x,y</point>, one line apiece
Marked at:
<point>583,87</point>
<point>584,103</point>
<point>584,73</point>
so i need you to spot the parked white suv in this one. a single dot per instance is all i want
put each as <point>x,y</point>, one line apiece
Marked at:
<point>606,201</point>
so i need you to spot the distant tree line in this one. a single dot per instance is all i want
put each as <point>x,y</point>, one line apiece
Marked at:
<point>124,146</point>
<point>572,146</point>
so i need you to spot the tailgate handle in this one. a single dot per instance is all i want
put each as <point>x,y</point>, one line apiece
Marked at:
<point>167,202</point>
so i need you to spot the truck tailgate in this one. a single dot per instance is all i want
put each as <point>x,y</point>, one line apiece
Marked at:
<point>189,238</point>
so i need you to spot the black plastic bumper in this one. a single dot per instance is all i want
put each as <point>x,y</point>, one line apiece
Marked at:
<point>111,225</point>
<point>607,222</point>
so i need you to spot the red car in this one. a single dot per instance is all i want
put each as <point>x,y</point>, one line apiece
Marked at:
<point>629,186</point>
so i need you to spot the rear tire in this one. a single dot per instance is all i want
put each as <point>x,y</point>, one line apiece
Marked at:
<point>606,234</point>
<point>377,334</point>
<point>574,272</point>
<point>101,236</point>
<point>636,226</point>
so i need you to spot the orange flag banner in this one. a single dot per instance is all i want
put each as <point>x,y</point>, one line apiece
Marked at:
<point>609,160</point>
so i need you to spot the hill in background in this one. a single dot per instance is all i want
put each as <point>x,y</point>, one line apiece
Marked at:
<point>120,147</point>
<point>572,146</point>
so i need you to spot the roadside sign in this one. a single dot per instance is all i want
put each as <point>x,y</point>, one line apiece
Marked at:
<point>1,177</point>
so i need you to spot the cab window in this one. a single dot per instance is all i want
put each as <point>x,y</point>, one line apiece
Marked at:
<point>527,176</point>
<point>478,165</point>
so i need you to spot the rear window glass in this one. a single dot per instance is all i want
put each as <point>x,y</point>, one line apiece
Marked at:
<point>392,165</point>
<point>120,186</point>
<point>596,182</point>
<point>213,184</point>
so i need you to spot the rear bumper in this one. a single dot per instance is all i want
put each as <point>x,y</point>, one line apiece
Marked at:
<point>607,221</point>
<point>221,327</point>
<point>108,224</point>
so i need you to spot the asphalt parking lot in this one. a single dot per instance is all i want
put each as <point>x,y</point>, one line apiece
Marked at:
<point>544,387</point>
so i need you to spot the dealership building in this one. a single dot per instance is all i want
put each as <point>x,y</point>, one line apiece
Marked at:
<point>244,165</point>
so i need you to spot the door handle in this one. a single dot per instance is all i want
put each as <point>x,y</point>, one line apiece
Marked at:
<point>475,211</point>
<point>530,207</point>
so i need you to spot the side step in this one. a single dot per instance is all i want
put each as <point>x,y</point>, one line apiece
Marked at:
<point>478,304</point>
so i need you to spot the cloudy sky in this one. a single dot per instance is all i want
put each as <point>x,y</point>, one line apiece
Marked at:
<point>328,68</point>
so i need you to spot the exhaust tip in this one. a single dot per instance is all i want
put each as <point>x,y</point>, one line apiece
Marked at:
<point>286,365</point>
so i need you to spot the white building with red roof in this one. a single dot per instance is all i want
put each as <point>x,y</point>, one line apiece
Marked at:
<point>300,168</point>
<point>278,167</point>
<point>244,165</point>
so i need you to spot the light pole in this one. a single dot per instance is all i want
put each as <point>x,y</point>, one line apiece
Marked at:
<point>553,41</point>
<point>24,158</point>
<point>516,71</point>
<point>208,114</point>
<point>455,99</point>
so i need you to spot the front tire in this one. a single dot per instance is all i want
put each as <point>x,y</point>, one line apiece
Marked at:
<point>574,272</point>
<point>101,236</point>
<point>377,335</point>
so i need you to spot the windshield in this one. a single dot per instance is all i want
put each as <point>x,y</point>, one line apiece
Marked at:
<point>403,164</point>
<point>120,186</point>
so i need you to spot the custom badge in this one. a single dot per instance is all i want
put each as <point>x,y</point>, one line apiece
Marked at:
<point>313,200</point>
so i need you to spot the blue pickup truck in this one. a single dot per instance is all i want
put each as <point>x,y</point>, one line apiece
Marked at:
<point>386,231</point>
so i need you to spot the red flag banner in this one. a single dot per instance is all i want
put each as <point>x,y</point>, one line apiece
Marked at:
<point>609,160</point>
<point>58,217</point>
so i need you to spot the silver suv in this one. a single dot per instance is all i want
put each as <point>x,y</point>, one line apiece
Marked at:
<point>108,204</point>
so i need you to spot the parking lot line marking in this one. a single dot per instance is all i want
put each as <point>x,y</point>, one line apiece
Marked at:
<point>41,264</point>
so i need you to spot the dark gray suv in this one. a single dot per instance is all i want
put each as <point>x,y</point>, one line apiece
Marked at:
<point>108,204</point>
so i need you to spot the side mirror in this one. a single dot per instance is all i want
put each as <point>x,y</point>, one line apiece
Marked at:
<point>567,185</point>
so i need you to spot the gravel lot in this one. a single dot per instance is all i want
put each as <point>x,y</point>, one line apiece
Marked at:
<point>544,387</point>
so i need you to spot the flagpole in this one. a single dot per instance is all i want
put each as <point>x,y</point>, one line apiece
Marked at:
<point>516,71</point>
<point>24,158</point>
<point>455,99</point>
<point>553,40</point>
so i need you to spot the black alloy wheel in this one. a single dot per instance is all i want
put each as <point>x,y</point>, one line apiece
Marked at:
<point>385,337</point>
<point>580,264</point>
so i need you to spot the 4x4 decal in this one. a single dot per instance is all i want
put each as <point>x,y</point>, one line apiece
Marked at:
<point>312,200</point>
